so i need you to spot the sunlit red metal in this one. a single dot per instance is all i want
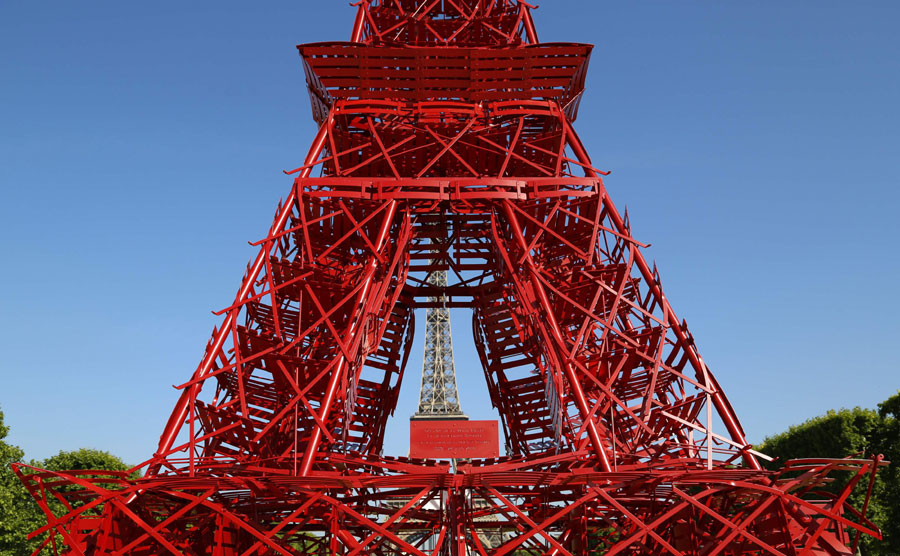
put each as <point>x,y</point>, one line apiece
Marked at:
<point>448,120</point>
<point>453,439</point>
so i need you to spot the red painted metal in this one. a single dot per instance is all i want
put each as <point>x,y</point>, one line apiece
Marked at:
<point>446,143</point>
<point>453,439</point>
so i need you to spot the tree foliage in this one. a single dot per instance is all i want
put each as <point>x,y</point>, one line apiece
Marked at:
<point>850,432</point>
<point>15,511</point>
<point>19,514</point>
<point>888,442</point>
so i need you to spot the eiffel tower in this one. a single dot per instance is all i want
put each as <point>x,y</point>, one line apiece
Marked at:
<point>438,394</point>
<point>446,133</point>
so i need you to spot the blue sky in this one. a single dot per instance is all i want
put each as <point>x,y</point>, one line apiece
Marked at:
<point>755,144</point>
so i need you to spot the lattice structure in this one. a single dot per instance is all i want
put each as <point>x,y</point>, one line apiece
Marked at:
<point>448,120</point>
<point>438,394</point>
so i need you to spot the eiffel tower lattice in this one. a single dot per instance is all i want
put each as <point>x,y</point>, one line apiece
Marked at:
<point>446,122</point>
<point>439,394</point>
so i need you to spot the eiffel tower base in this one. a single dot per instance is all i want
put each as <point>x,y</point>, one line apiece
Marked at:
<point>522,508</point>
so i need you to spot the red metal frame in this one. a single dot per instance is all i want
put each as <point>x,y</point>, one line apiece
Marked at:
<point>446,118</point>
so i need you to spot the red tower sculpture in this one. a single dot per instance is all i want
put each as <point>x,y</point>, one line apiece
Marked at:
<point>446,143</point>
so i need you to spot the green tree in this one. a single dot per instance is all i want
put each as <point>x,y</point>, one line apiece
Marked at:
<point>19,514</point>
<point>14,507</point>
<point>849,432</point>
<point>888,442</point>
<point>84,459</point>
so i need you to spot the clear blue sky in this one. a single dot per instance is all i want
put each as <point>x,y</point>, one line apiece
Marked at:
<point>755,144</point>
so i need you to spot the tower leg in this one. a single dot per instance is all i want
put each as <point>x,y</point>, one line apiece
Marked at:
<point>180,412</point>
<point>363,298</point>
<point>726,412</point>
<point>531,288</point>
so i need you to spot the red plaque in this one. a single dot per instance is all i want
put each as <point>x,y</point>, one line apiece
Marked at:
<point>447,439</point>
